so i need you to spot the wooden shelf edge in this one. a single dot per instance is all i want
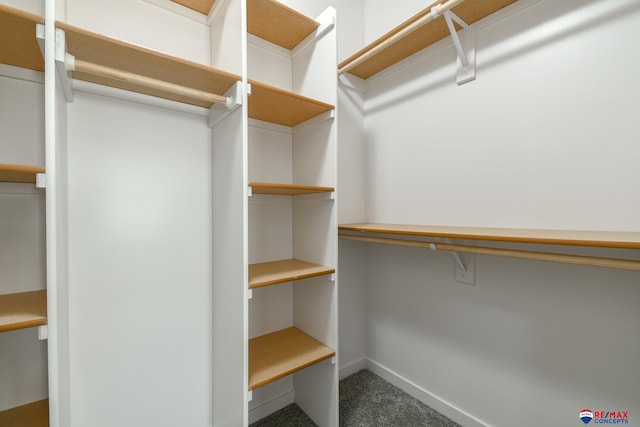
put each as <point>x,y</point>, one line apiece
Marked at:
<point>273,21</point>
<point>281,353</point>
<point>35,414</point>
<point>19,173</point>
<point>23,310</point>
<point>287,189</point>
<point>603,239</point>
<point>275,272</point>
<point>18,44</point>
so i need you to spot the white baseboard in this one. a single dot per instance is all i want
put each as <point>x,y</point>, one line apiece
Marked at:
<point>271,406</point>
<point>353,367</point>
<point>445,408</point>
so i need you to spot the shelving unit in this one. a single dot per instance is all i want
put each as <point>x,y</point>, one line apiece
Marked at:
<point>274,272</point>
<point>19,173</point>
<point>283,353</point>
<point>377,59</point>
<point>23,310</point>
<point>27,308</point>
<point>299,232</point>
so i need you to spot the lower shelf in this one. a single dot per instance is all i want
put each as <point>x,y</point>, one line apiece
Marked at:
<point>281,353</point>
<point>19,173</point>
<point>23,310</point>
<point>34,414</point>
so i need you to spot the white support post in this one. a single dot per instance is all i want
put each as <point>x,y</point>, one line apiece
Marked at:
<point>218,112</point>
<point>466,62</point>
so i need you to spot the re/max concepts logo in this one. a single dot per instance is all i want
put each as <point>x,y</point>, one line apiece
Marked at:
<point>604,417</point>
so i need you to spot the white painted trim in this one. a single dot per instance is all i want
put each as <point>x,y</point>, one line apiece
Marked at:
<point>352,368</point>
<point>19,73</point>
<point>178,9</point>
<point>315,121</point>
<point>269,407</point>
<point>425,396</point>
<point>254,123</point>
<point>351,82</point>
<point>268,46</point>
<point>216,10</point>
<point>327,21</point>
<point>139,98</point>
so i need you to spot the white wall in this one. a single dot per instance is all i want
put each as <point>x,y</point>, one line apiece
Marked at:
<point>142,23</point>
<point>546,137</point>
<point>140,270</point>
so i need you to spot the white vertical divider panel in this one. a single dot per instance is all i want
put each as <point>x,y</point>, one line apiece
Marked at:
<point>229,139</point>
<point>315,223</point>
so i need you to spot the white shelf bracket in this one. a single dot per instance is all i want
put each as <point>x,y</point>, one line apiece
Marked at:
<point>250,294</point>
<point>43,332</point>
<point>250,395</point>
<point>332,277</point>
<point>466,61</point>
<point>41,180</point>
<point>64,61</point>
<point>465,269</point>
<point>333,360</point>
<point>219,112</point>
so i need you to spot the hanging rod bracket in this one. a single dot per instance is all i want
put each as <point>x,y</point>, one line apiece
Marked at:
<point>60,58</point>
<point>465,269</point>
<point>465,44</point>
<point>219,112</point>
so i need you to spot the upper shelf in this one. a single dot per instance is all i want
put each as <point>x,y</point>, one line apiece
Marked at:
<point>286,189</point>
<point>604,239</point>
<point>425,35</point>
<point>19,173</point>
<point>202,6</point>
<point>272,21</point>
<point>109,52</point>
<point>23,310</point>
<point>18,44</point>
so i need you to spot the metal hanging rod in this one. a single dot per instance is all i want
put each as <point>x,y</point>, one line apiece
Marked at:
<point>101,70</point>
<point>623,264</point>
<point>436,11</point>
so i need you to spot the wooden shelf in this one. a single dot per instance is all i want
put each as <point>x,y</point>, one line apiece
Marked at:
<point>287,189</point>
<point>19,173</point>
<point>270,104</point>
<point>18,44</point>
<point>277,23</point>
<point>276,355</point>
<point>34,414</point>
<point>272,273</point>
<point>469,11</point>
<point>105,51</point>
<point>23,310</point>
<point>605,239</point>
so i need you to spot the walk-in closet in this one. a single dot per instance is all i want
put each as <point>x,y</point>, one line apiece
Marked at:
<point>225,213</point>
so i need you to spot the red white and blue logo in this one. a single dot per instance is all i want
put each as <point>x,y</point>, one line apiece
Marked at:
<point>604,417</point>
<point>586,415</point>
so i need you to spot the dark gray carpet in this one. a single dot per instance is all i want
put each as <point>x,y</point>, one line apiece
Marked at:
<point>366,400</point>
